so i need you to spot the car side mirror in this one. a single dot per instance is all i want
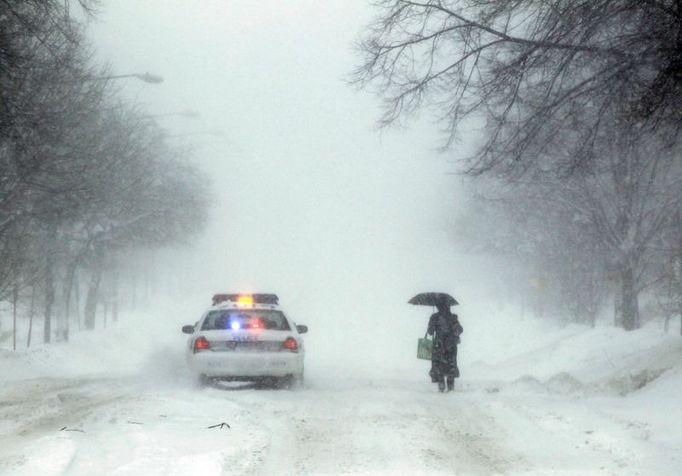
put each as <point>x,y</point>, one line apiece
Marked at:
<point>302,329</point>
<point>188,329</point>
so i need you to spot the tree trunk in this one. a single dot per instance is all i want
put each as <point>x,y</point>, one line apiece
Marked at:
<point>93,290</point>
<point>629,299</point>
<point>31,311</point>
<point>617,310</point>
<point>133,283</point>
<point>593,306</point>
<point>49,296</point>
<point>146,285</point>
<point>77,289</point>
<point>114,296</point>
<point>68,291</point>
<point>677,269</point>
<point>15,298</point>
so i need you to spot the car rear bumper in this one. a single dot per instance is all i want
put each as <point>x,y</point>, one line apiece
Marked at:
<point>246,365</point>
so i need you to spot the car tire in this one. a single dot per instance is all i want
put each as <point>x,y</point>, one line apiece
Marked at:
<point>203,381</point>
<point>285,382</point>
<point>290,382</point>
<point>298,381</point>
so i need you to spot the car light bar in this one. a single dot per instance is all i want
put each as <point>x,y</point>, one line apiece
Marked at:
<point>260,298</point>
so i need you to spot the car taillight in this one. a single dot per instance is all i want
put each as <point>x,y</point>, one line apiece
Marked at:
<point>201,343</point>
<point>290,344</point>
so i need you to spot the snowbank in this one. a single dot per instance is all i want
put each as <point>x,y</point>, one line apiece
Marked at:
<point>577,359</point>
<point>123,348</point>
<point>496,353</point>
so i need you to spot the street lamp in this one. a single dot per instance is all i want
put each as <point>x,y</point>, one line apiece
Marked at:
<point>146,77</point>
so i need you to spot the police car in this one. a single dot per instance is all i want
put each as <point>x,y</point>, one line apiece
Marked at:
<point>246,337</point>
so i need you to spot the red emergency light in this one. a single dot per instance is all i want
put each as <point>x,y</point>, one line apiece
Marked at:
<point>259,298</point>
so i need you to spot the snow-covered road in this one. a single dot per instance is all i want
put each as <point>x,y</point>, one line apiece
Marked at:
<point>335,425</point>
<point>557,401</point>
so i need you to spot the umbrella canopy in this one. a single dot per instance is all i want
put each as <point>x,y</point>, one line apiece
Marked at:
<point>432,299</point>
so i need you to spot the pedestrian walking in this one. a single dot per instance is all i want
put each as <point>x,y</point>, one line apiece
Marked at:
<point>445,328</point>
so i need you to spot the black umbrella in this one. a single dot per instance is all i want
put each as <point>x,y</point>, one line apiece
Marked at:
<point>432,299</point>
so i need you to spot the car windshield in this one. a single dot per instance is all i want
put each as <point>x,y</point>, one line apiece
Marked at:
<point>237,319</point>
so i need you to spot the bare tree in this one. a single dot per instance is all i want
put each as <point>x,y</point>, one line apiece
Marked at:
<point>82,176</point>
<point>668,270</point>
<point>143,195</point>
<point>605,221</point>
<point>555,265</point>
<point>527,67</point>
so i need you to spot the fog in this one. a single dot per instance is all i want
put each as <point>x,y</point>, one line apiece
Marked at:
<point>564,253</point>
<point>309,198</point>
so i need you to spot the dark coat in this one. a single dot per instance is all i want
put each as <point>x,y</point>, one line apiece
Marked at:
<point>445,328</point>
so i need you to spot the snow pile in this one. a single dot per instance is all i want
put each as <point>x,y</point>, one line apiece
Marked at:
<point>576,359</point>
<point>110,351</point>
<point>123,348</point>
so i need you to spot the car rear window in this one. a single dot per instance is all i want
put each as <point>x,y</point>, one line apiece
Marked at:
<point>236,319</point>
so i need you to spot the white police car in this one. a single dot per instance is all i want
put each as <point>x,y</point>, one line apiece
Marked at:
<point>246,337</point>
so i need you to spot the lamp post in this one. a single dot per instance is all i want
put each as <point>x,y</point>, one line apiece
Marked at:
<point>146,77</point>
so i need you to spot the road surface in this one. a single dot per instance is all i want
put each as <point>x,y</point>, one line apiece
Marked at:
<point>336,424</point>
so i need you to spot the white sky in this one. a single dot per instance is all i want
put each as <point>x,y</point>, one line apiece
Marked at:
<point>311,199</point>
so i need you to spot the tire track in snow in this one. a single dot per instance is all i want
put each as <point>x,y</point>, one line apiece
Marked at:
<point>39,406</point>
<point>386,429</point>
<point>36,410</point>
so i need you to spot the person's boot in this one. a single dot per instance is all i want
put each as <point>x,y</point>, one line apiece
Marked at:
<point>451,384</point>
<point>441,385</point>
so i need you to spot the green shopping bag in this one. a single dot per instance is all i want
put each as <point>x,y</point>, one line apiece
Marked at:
<point>424,348</point>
